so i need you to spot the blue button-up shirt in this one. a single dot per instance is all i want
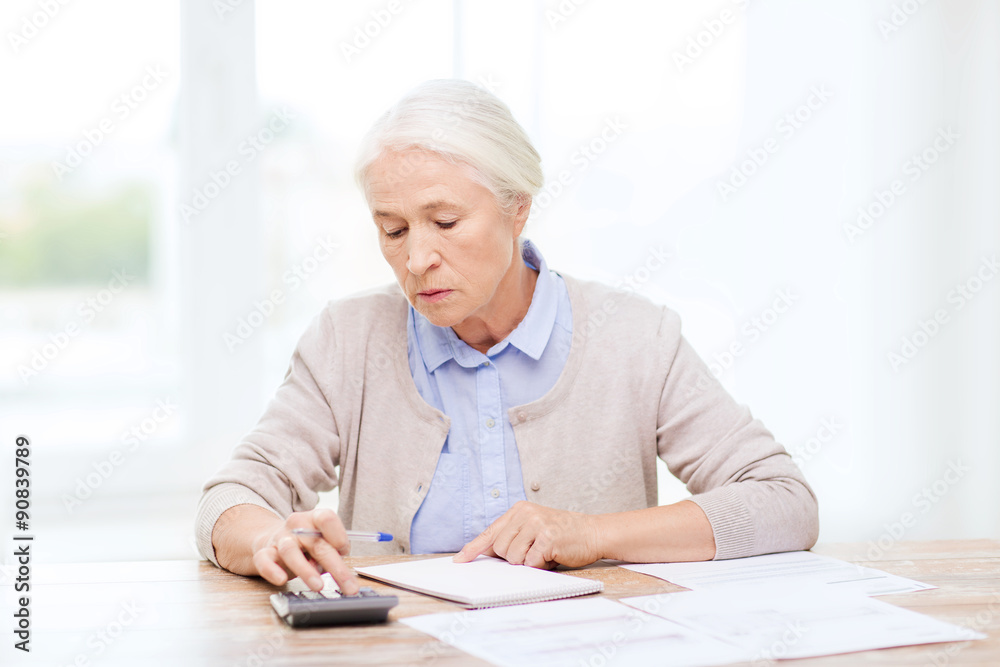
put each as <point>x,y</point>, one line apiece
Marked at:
<point>478,475</point>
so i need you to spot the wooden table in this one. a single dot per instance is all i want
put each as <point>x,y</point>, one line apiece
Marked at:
<point>189,613</point>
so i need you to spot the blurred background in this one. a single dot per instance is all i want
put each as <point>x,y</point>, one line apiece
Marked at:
<point>176,204</point>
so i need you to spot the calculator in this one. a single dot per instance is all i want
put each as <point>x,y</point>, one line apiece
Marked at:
<point>311,608</point>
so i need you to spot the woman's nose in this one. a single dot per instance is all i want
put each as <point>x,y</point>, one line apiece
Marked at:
<point>422,253</point>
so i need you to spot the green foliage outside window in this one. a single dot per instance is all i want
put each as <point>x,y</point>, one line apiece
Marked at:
<point>59,238</point>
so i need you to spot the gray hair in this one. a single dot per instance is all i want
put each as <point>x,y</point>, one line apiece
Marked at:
<point>464,124</point>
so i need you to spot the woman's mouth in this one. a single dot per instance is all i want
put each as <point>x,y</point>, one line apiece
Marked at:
<point>433,295</point>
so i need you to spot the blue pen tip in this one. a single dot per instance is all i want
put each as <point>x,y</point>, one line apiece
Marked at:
<point>384,537</point>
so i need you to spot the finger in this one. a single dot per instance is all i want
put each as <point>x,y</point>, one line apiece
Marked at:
<point>492,539</point>
<point>479,545</point>
<point>328,551</point>
<point>333,531</point>
<point>532,534</point>
<point>265,561</point>
<point>518,546</point>
<point>510,544</point>
<point>332,562</point>
<point>537,557</point>
<point>290,552</point>
<point>514,532</point>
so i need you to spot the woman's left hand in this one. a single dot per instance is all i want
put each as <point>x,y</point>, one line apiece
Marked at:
<point>538,536</point>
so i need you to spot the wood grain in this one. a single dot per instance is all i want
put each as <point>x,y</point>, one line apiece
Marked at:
<point>191,613</point>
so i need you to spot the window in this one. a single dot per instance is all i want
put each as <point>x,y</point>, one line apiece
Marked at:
<point>87,264</point>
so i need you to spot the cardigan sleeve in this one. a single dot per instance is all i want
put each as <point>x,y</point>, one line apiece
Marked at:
<point>756,498</point>
<point>292,452</point>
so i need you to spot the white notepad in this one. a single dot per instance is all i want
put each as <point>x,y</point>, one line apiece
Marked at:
<point>484,582</point>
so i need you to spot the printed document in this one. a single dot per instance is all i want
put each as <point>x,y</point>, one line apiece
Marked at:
<point>803,567</point>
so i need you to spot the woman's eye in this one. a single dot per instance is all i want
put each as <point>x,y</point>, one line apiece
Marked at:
<point>446,224</point>
<point>396,233</point>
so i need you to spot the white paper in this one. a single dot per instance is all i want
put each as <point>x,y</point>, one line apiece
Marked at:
<point>773,622</point>
<point>802,567</point>
<point>593,631</point>
<point>483,582</point>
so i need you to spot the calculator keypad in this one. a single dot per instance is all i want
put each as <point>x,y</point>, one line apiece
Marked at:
<point>312,608</point>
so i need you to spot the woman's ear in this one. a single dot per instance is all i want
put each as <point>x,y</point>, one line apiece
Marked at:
<point>521,209</point>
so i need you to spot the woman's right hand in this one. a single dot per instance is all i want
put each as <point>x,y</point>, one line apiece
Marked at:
<point>281,554</point>
<point>278,554</point>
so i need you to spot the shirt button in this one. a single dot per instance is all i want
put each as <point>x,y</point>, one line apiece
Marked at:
<point>486,363</point>
<point>495,493</point>
<point>490,423</point>
<point>521,416</point>
<point>535,486</point>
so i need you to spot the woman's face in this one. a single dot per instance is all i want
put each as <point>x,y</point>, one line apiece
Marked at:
<point>444,236</point>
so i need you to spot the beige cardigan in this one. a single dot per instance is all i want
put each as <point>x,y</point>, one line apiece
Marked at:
<point>632,389</point>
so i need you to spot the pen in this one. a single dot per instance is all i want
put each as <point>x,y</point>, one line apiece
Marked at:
<point>357,535</point>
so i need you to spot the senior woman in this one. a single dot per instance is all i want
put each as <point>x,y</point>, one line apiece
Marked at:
<point>486,404</point>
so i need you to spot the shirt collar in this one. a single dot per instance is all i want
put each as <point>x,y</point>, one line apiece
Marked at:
<point>437,345</point>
